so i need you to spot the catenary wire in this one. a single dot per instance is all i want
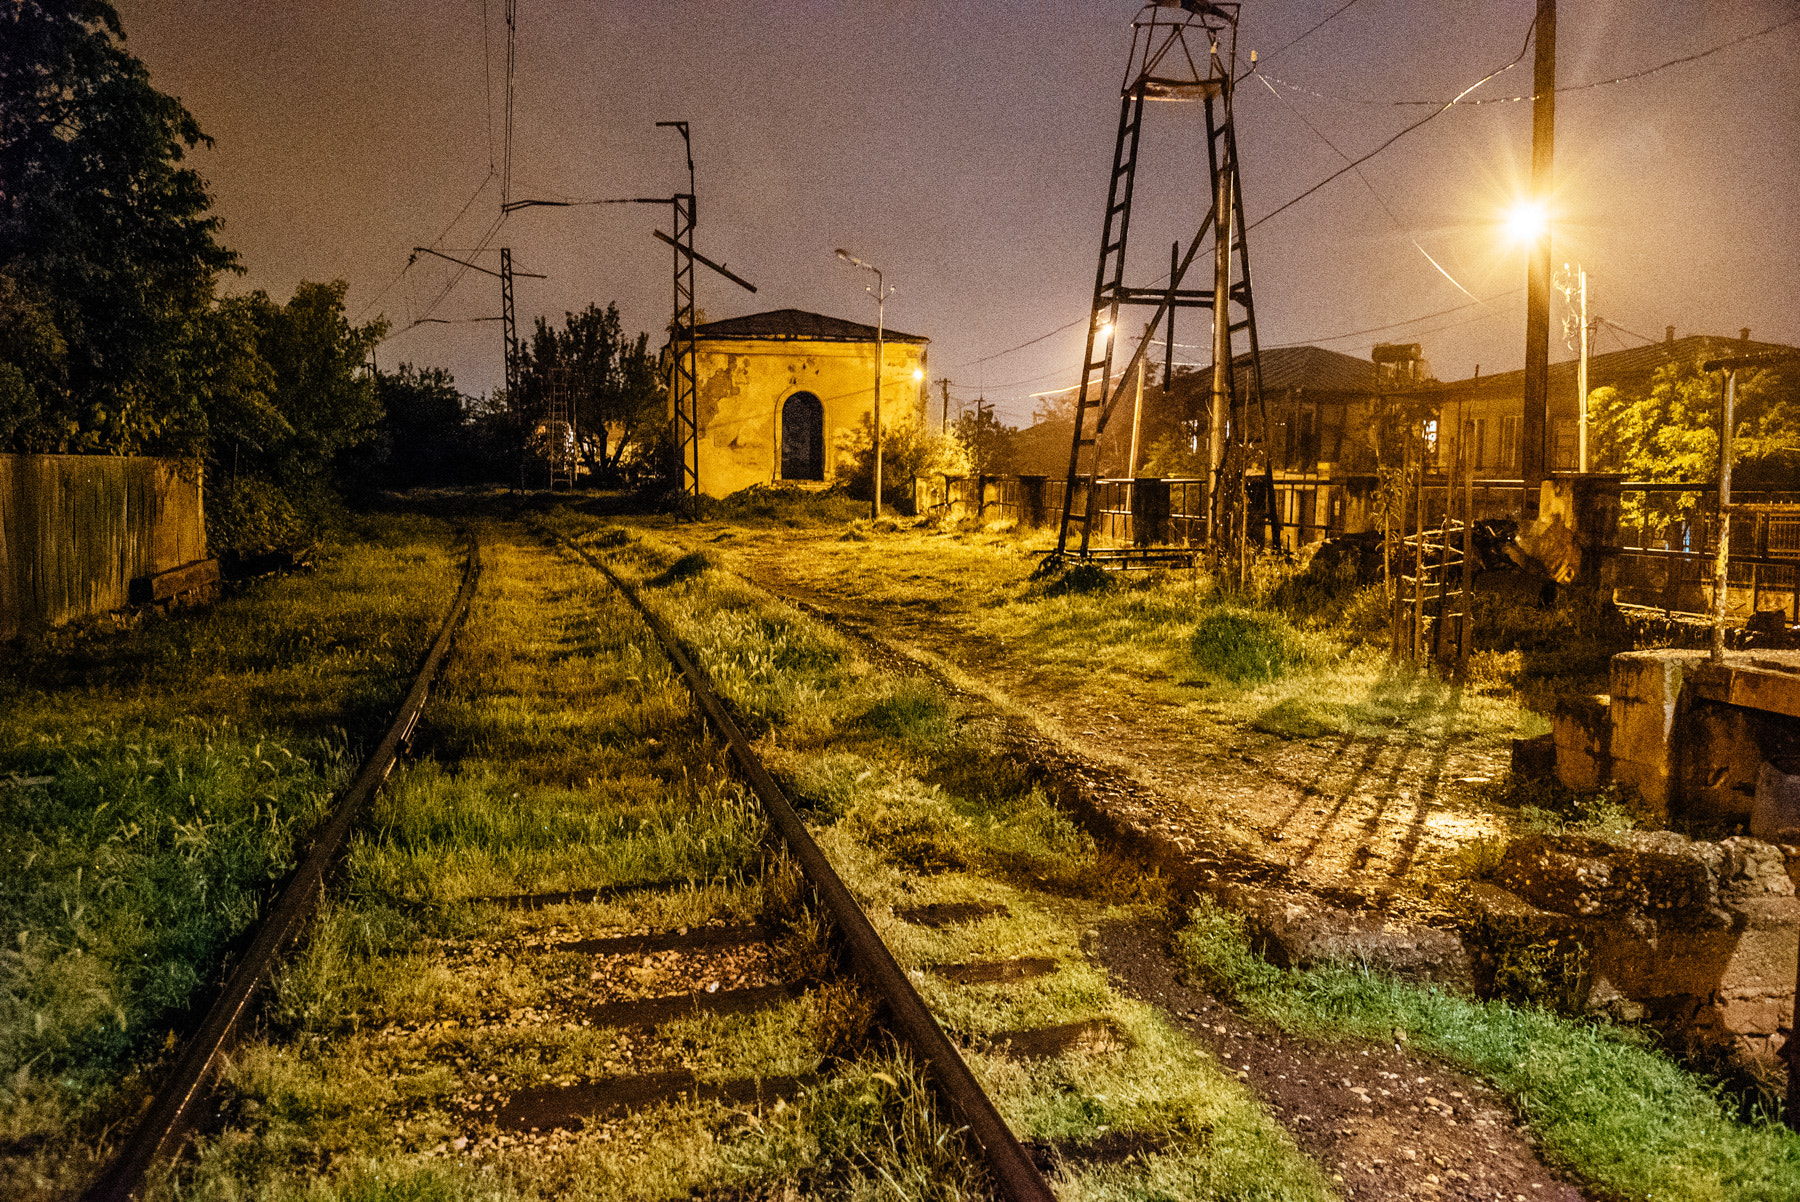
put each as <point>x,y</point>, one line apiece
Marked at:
<point>1566,88</point>
<point>1431,116</point>
<point>1296,200</point>
<point>1379,198</point>
<point>1290,44</point>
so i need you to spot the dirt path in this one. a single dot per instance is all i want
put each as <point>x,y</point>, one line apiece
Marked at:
<point>1353,822</point>
<point>1369,823</point>
<point>1383,1122</point>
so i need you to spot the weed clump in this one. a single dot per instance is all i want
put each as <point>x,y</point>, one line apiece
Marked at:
<point>1081,580</point>
<point>689,566</point>
<point>912,711</point>
<point>1238,645</point>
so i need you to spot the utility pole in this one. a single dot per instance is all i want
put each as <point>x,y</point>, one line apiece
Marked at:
<point>1581,382</point>
<point>945,385</point>
<point>1221,381</point>
<point>1535,419</point>
<point>881,292</point>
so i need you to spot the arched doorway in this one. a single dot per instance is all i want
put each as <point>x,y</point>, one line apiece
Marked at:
<point>802,438</point>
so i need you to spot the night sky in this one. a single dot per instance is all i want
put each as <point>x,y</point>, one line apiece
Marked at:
<point>965,150</point>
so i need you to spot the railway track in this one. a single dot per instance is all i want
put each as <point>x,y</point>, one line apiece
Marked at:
<point>666,1011</point>
<point>175,1107</point>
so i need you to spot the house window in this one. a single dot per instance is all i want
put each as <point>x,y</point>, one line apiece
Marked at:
<point>1567,452</point>
<point>1509,442</point>
<point>802,438</point>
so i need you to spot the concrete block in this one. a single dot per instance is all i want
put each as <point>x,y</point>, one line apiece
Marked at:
<point>1716,761</point>
<point>1775,810</point>
<point>1751,1016</point>
<point>1581,728</point>
<point>1534,758</point>
<point>1646,692</point>
<point>1762,961</point>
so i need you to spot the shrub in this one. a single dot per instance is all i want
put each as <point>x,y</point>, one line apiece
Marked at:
<point>1235,645</point>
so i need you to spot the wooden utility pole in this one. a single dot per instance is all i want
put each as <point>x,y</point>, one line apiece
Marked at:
<point>1535,423</point>
<point>945,385</point>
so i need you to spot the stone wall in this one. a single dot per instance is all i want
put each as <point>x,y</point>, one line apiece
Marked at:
<point>1698,938</point>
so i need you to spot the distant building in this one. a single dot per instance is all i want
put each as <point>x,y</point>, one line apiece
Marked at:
<point>780,391</point>
<point>1488,410</point>
<point>1321,434</point>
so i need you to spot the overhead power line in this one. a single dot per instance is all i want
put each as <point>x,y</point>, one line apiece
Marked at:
<point>1291,43</point>
<point>1352,165</point>
<point>1431,116</point>
<point>442,234</point>
<point>1576,87</point>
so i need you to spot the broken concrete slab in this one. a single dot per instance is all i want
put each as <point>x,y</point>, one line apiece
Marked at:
<point>1294,931</point>
<point>1698,937</point>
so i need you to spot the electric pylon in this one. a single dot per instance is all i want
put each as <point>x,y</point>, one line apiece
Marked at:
<point>1182,51</point>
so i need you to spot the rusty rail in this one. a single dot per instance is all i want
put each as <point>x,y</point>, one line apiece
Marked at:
<point>174,1106</point>
<point>1017,1176</point>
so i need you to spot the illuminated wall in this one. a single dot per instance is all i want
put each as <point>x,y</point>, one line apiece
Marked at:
<point>747,385</point>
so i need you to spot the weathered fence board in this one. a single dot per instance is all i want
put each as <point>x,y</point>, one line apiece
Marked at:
<point>76,529</point>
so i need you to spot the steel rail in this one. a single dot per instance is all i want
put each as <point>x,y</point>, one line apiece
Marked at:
<point>1017,1176</point>
<point>175,1105</point>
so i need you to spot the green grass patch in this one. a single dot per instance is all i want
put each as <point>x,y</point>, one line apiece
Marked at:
<point>1614,1110</point>
<point>183,763</point>
<point>1235,645</point>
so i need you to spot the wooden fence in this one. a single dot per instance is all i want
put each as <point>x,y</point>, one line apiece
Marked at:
<point>75,530</point>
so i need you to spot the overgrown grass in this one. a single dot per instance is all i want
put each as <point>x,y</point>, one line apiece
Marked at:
<point>1607,1105</point>
<point>180,763</point>
<point>912,807</point>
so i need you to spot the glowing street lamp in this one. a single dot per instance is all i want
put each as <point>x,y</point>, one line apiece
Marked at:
<point>1528,225</point>
<point>1526,222</point>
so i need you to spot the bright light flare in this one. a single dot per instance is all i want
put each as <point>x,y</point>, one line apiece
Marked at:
<point>1526,221</point>
<point>1105,330</point>
<point>917,374</point>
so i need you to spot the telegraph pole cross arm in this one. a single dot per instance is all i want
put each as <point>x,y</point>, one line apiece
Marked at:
<point>739,280</point>
<point>426,250</point>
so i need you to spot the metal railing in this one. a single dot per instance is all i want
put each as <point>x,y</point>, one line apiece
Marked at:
<point>1668,540</point>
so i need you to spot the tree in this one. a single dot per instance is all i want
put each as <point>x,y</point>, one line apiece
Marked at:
<point>1668,430</point>
<point>614,383</point>
<point>910,452</point>
<point>322,388</point>
<point>108,254</point>
<point>424,426</point>
<point>986,442</point>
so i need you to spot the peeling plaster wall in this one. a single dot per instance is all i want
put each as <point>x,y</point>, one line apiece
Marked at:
<point>745,381</point>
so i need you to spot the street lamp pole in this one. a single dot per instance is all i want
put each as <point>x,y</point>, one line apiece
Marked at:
<point>881,295</point>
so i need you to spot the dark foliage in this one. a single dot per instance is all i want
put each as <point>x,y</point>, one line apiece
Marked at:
<point>108,253</point>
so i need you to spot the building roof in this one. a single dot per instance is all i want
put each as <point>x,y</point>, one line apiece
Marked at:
<point>1305,368</point>
<point>797,325</point>
<point>1633,364</point>
<point>1315,369</point>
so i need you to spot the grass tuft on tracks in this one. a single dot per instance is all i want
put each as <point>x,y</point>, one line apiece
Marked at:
<point>1617,1112</point>
<point>913,807</point>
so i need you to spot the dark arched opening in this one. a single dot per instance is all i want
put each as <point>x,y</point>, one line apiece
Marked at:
<point>802,438</point>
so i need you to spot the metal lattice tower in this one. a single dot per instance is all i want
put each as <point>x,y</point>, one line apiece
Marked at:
<point>681,336</point>
<point>559,430</point>
<point>1182,51</point>
<point>683,344</point>
<point>509,326</point>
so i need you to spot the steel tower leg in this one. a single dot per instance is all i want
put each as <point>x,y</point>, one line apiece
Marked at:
<point>685,352</point>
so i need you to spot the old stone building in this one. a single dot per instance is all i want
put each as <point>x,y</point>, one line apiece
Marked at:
<point>782,392</point>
